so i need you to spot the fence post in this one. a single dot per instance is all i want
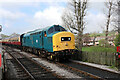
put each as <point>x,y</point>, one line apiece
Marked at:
<point>118,60</point>
<point>114,59</point>
<point>119,64</point>
<point>79,55</point>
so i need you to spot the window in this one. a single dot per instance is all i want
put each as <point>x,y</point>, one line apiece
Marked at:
<point>50,30</point>
<point>62,29</point>
<point>39,32</point>
<point>58,28</point>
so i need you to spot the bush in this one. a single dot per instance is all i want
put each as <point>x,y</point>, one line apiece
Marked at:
<point>103,43</point>
<point>117,40</point>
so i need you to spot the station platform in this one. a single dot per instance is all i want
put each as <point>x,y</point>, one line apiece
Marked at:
<point>104,67</point>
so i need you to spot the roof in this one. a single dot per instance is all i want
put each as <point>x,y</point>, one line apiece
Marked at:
<point>38,30</point>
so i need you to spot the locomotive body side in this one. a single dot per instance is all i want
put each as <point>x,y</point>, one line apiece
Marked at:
<point>32,39</point>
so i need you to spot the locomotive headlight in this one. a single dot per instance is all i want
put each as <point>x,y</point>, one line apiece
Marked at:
<point>69,39</point>
<point>62,39</point>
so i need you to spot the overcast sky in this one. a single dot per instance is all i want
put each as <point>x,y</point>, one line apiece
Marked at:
<point>26,15</point>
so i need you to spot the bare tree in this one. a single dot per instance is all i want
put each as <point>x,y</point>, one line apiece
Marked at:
<point>74,19</point>
<point>116,19</point>
<point>109,5</point>
<point>118,2</point>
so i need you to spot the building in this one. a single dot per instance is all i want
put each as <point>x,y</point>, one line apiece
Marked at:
<point>90,41</point>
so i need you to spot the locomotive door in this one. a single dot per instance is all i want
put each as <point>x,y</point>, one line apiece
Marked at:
<point>41,40</point>
<point>45,40</point>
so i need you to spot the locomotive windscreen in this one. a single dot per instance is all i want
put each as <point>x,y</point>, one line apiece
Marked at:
<point>65,38</point>
<point>58,28</point>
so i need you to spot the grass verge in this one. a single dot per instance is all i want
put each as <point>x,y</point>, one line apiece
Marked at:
<point>98,49</point>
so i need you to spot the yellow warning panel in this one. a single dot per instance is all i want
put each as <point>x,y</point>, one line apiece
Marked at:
<point>63,41</point>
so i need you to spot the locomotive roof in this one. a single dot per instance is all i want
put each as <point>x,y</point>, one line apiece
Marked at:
<point>38,30</point>
<point>31,32</point>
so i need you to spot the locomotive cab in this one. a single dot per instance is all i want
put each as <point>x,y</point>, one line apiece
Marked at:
<point>58,41</point>
<point>60,38</point>
<point>48,34</point>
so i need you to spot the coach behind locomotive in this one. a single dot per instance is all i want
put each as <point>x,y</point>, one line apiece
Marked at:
<point>52,42</point>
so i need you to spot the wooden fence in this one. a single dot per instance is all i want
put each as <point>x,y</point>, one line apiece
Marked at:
<point>98,58</point>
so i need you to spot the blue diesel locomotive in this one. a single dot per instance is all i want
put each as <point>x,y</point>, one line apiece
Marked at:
<point>53,42</point>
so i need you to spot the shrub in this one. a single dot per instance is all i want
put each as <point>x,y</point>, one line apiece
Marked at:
<point>103,43</point>
<point>117,40</point>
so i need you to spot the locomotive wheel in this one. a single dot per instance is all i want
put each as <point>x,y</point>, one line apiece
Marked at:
<point>39,53</point>
<point>57,59</point>
<point>51,57</point>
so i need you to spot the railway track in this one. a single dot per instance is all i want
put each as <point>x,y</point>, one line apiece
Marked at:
<point>16,69</point>
<point>30,69</point>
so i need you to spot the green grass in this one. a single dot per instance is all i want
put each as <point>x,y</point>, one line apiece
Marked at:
<point>98,49</point>
<point>113,67</point>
